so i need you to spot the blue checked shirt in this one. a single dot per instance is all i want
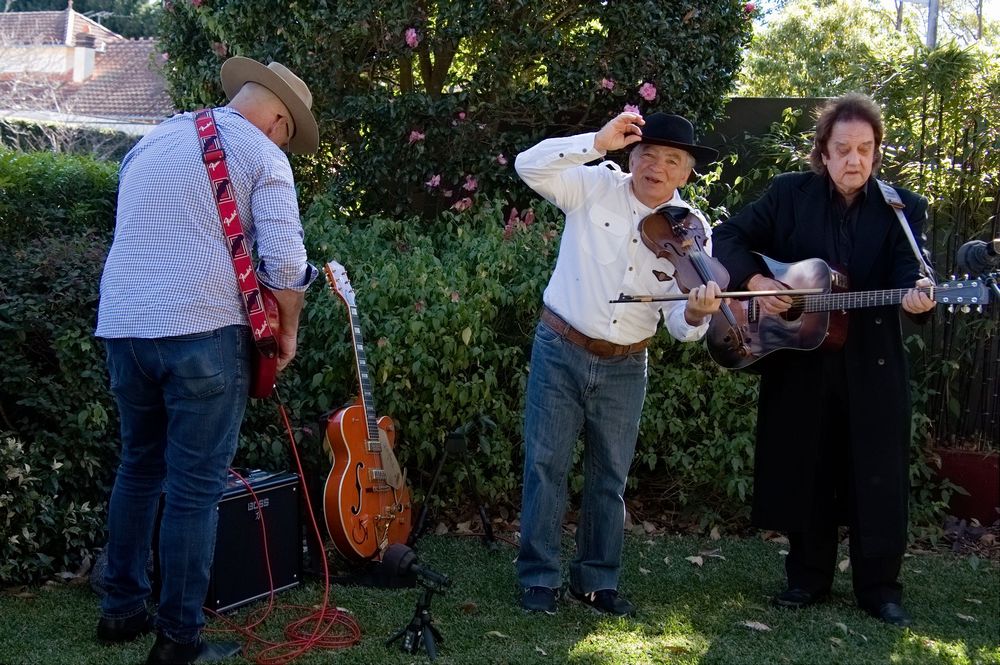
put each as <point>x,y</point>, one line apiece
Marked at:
<point>169,272</point>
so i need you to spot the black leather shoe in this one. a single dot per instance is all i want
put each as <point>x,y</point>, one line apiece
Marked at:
<point>796,599</point>
<point>118,631</point>
<point>167,652</point>
<point>893,614</point>
<point>605,601</point>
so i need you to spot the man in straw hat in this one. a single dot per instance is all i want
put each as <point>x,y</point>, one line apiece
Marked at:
<point>588,361</point>
<point>178,342</point>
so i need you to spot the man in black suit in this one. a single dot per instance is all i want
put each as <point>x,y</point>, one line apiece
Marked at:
<point>833,428</point>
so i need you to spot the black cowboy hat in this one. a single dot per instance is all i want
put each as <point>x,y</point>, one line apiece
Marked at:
<point>676,132</point>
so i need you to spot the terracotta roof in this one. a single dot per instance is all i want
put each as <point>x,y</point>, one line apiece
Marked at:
<point>127,83</point>
<point>38,28</point>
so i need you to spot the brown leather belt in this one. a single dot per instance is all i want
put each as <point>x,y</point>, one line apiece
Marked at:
<point>598,347</point>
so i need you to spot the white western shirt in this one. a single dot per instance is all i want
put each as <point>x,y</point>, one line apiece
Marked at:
<point>601,254</point>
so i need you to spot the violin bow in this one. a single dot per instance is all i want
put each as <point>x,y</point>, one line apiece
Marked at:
<point>622,298</point>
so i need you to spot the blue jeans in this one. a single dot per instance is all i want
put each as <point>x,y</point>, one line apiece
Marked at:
<point>569,390</point>
<point>181,402</point>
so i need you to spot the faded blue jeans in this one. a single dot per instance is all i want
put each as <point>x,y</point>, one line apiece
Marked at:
<point>181,402</point>
<point>571,390</point>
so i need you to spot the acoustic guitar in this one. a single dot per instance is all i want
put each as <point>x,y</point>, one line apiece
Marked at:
<point>815,321</point>
<point>366,502</point>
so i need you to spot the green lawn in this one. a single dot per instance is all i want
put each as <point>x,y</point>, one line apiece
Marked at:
<point>688,614</point>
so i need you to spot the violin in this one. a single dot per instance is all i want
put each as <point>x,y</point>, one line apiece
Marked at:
<point>678,235</point>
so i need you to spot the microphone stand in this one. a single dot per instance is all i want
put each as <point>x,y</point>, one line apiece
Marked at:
<point>456,443</point>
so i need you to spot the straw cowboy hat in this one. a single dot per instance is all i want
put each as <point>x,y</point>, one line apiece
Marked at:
<point>288,87</point>
<point>676,132</point>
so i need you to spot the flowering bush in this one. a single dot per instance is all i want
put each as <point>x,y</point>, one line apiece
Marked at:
<point>409,94</point>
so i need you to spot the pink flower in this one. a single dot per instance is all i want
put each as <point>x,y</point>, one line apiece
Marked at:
<point>455,296</point>
<point>461,115</point>
<point>501,160</point>
<point>462,204</point>
<point>196,3</point>
<point>648,91</point>
<point>529,216</point>
<point>219,49</point>
<point>416,136</point>
<point>629,108</point>
<point>512,217</point>
<point>419,306</point>
<point>434,181</point>
<point>412,38</point>
<point>608,84</point>
<point>470,184</point>
<point>749,7</point>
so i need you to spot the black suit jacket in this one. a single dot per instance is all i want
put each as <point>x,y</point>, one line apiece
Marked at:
<point>797,408</point>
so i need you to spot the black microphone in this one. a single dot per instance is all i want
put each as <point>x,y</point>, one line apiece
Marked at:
<point>977,256</point>
<point>400,560</point>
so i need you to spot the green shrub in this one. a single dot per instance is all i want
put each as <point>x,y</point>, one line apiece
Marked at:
<point>43,194</point>
<point>407,91</point>
<point>46,526</point>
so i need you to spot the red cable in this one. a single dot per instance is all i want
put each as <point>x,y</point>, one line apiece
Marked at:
<point>299,639</point>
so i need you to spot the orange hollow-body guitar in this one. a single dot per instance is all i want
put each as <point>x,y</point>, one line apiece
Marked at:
<point>366,502</point>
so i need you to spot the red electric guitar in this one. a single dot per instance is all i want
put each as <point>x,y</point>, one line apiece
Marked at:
<point>264,368</point>
<point>366,503</point>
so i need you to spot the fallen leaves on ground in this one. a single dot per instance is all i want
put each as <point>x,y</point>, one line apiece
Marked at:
<point>755,625</point>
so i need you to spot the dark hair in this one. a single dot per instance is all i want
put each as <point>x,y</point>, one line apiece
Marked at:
<point>852,106</point>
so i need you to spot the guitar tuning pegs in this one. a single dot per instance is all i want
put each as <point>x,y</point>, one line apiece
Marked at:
<point>966,309</point>
<point>951,309</point>
<point>966,276</point>
<point>979,309</point>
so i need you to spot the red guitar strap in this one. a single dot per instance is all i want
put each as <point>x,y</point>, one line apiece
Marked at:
<point>246,277</point>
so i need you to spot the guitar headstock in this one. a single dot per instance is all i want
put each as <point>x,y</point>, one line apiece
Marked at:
<point>965,293</point>
<point>336,277</point>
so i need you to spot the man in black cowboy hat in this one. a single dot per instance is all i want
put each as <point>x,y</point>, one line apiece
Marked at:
<point>179,344</point>
<point>588,361</point>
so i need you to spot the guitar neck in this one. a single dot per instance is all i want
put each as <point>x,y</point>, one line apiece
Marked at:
<point>856,299</point>
<point>364,380</point>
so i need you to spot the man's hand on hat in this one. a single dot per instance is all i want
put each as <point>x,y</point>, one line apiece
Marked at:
<point>621,131</point>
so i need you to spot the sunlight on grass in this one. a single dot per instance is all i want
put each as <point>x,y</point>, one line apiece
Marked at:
<point>914,646</point>
<point>616,642</point>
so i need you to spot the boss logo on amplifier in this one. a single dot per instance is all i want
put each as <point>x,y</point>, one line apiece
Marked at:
<point>261,504</point>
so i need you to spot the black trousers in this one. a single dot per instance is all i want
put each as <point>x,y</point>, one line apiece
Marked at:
<point>812,553</point>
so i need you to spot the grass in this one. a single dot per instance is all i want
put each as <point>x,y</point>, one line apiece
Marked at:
<point>688,614</point>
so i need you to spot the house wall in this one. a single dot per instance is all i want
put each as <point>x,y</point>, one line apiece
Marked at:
<point>38,59</point>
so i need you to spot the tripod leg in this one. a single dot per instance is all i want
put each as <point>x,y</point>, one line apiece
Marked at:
<point>420,524</point>
<point>488,538</point>
<point>398,635</point>
<point>428,639</point>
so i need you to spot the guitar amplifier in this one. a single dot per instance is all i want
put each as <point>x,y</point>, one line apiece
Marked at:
<point>239,571</point>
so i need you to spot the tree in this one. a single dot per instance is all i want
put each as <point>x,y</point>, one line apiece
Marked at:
<point>423,104</point>
<point>129,18</point>
<point>962,21</point>
<point>818,48</point>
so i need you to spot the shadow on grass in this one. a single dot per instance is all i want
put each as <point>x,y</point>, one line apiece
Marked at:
<point>713,613</point>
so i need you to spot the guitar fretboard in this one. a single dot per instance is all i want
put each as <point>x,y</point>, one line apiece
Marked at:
<point>826,302</point>
<point>364,381</point>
